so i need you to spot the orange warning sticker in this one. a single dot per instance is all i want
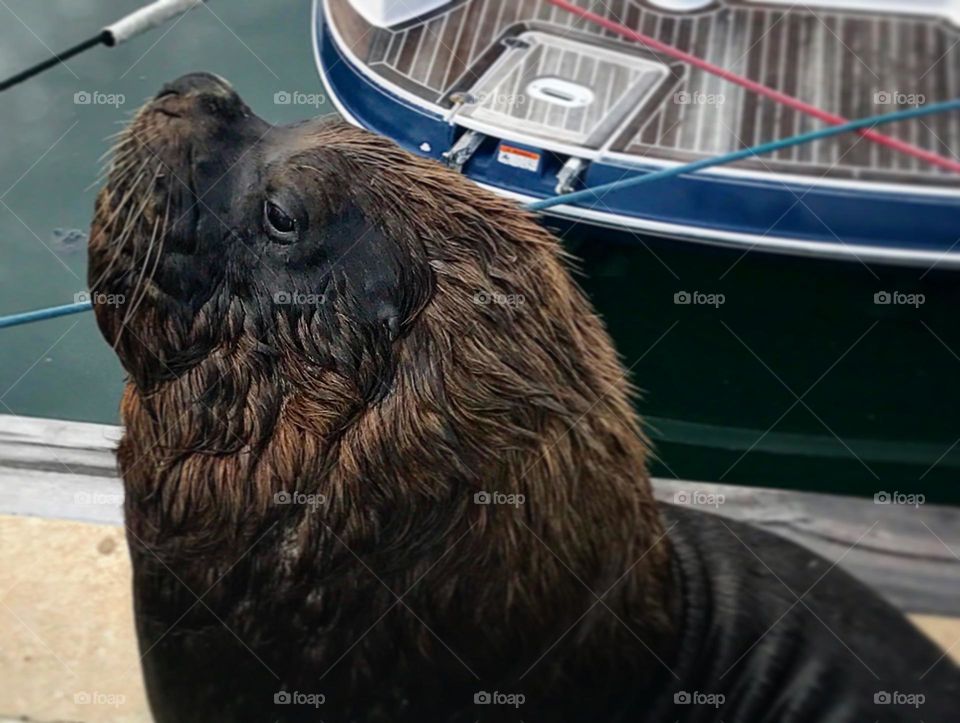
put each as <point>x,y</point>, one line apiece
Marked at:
<point>519,158</point>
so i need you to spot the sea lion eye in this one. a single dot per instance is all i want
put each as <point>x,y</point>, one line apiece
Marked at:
<point>279,223</point>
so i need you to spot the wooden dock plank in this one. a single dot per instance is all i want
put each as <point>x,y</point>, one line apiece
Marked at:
<point>58,469</point>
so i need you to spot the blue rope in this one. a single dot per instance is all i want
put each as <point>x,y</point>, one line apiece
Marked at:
<point>592,194</point>
<point>52,312</point>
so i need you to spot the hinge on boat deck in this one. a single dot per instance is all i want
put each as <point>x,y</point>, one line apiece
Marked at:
<point>463,150</point>
<point>569,175</point>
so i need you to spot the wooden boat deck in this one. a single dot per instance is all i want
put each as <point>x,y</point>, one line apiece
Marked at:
<point>846,62</point>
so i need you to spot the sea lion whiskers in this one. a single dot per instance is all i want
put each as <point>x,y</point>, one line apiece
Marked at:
<point>123,179</point>
<point>114,159</point>
<point>142,283</point>
<point>131,220</point>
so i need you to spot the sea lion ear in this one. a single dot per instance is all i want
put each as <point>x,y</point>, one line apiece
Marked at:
<point>378,281</point>
<point>385,279</point>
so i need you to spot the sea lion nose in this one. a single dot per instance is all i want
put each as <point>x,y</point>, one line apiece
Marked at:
<point>198,84</point>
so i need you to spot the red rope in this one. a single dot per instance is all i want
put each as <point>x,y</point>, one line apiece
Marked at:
<point>751,85</point>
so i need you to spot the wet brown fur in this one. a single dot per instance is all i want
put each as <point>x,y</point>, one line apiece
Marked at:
<point>227,408</point>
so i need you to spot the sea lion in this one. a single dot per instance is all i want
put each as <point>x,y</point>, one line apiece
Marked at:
<point>381,462</point>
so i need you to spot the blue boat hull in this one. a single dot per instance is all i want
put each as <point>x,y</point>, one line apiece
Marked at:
<point>869,223</point>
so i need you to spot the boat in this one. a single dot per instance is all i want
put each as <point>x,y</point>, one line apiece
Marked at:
<point>531,98</point>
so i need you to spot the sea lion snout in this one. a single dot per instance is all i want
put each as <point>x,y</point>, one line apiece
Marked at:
<point>202,83</point>
<point>182,190</point>
<point>203,99</point>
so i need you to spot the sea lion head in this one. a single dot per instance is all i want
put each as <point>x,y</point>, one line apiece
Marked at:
<point>211,230</point>
<point>311,310</point>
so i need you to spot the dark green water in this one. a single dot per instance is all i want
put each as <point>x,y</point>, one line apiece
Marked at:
<point>798,379</point>
<point>62,368</point>
<point>877,384</point>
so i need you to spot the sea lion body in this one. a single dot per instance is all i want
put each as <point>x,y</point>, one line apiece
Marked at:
<point>773,633</point>
<point>381,462</point>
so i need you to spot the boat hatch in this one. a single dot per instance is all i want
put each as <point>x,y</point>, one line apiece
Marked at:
<point>562,89</point>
